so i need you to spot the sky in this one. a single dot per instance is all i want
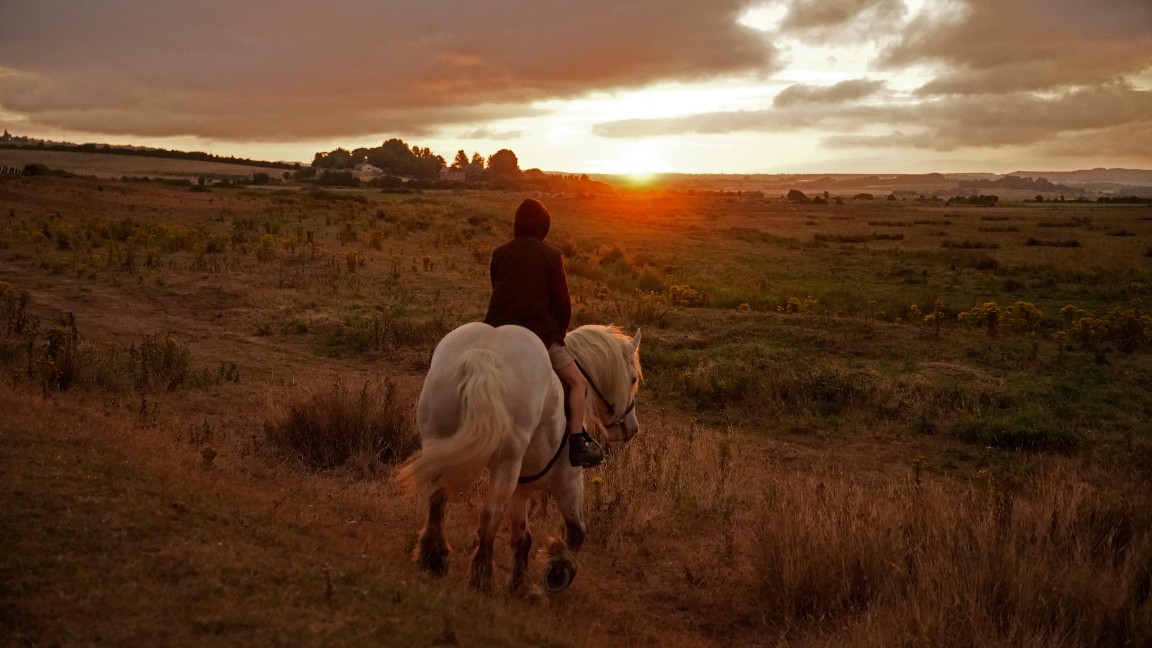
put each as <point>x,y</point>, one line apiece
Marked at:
<point>598,86</point>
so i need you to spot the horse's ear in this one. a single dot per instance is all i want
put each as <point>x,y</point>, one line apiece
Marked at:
<point>635,341</point>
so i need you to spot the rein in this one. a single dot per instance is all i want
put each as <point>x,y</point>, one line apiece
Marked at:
<point>611,407</point>
<point>551,462</point>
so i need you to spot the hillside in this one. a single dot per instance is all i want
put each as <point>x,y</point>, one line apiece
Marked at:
<point>106,165</point>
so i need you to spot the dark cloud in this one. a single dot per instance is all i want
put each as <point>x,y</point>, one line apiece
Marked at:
<point>997,46</point>
<point>319,69</point>
<point>839,20</point>
<point>851,90</point>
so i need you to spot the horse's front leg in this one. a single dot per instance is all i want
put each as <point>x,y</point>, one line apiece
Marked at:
<point>562,563</point>
<point>499,490</point>
<point>521,544</point>
<point>432,551</point>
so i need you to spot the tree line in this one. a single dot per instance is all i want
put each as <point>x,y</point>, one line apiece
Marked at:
<point>416,167</point>
<point>395,157</point>
<point>1016,182</point>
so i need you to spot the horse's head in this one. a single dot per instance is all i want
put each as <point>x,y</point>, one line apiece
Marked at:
<point>611,363</point>
<point>629,424</point>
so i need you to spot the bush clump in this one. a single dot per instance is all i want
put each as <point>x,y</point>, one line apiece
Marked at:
<point>333,425</point>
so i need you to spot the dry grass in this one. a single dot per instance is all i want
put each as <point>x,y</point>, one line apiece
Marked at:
<point>813,469</point>
<point>331,424</point>
<point>1056,562</point>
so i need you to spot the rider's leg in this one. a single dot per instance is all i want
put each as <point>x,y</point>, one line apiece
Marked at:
<point>577,396</point>
<point>579,452</point>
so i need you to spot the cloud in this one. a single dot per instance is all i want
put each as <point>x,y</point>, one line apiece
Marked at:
<point>489,134</point>
<point>1100,119</point>
<point>997,46</point>
<point>844,91</point>
<point>797,106</point>
<point>826,21</point>
<point>322,69</point>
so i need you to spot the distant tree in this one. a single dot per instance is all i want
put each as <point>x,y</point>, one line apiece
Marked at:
<point>461,161</point>
<point>338,179</point>
<point>338,159</point>
<point>475,166</point>
<point>797,196</point>
<point>260,178</point>
<point>503,164</point>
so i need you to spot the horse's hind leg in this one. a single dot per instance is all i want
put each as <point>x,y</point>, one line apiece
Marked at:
<point>499,490</point>
<point>562,563</point>
<point>521,544</point>
<point>432,552</point>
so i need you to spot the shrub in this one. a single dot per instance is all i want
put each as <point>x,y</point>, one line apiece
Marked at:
<point>1126,327</point>
<point>388,332</point>
<point>648,309</point>
<point>971,245</point>
<point>685,295</point>
<point>331,425</point>
<point>1069,243</point>
<point>160,361</point>
<point>1020,317</point>
<point>1026,428</point>
<point>842,238</point>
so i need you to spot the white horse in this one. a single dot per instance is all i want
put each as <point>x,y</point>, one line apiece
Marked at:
<point>491,400</point>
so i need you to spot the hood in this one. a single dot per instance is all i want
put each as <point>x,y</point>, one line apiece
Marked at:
<point>532,219</point>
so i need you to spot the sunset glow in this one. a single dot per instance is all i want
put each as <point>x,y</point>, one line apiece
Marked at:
<point>736,86</point>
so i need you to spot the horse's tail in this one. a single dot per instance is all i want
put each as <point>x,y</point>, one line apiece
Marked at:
<point>456,461</point>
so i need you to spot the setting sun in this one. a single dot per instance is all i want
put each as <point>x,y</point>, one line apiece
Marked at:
<point>637,162</point>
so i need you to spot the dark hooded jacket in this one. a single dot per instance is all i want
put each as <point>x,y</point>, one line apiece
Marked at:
<point>529,286</point>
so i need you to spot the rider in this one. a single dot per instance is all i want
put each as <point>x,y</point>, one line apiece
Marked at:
<point>530,288</point>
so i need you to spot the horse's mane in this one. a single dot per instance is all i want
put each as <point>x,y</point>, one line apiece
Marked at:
<point>595,345</point>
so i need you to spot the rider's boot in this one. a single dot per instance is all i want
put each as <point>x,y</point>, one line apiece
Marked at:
<point>582,453</point>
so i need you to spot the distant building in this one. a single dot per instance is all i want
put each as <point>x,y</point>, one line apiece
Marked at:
<point>6,138</point>
<point>365,172</point>
<point>448,174</point>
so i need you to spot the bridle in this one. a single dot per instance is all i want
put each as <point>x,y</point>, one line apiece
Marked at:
<point>607,403</point>
<point>528,479</point>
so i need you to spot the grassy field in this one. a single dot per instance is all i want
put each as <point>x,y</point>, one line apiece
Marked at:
<point>875,423</point>
<point>106,165</point>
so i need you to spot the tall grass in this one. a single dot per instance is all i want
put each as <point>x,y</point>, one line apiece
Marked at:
<point>1056,563</point>
<point>330,425</point>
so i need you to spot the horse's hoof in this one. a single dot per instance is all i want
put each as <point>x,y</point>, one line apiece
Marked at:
<point>435,565</point>
<point>528,593</point>
<point>481,585</point>
<point>559,577</point>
